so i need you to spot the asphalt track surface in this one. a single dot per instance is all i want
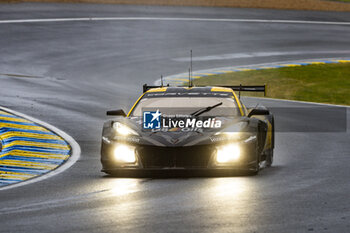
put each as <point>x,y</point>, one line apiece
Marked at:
<point>75,71</point>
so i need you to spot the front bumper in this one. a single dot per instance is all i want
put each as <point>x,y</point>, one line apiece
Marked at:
<point>179,172</point>
<point>194,159</point>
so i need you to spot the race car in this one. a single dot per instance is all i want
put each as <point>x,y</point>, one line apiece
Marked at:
<point>189,129</point>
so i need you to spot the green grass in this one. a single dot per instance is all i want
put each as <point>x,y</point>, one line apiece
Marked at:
<point>340,0</point>
<point>328,83</point>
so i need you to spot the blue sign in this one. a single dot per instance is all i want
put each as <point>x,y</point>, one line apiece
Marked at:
<point>151,120</point>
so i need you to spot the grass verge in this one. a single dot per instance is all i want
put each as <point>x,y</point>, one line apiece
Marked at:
<point>322,83</point>
<point>340,0</point>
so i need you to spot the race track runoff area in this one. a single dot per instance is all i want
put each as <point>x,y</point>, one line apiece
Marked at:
<point>27,149</point>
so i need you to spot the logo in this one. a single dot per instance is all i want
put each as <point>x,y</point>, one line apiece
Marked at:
<point>174,140</point>
<point>151,120</point>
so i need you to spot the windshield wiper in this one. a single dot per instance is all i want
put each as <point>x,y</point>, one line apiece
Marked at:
<point>203,110</point>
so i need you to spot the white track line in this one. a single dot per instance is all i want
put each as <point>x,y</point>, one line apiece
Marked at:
<point>171,19</point>
<point>67,164</point>
<point>231,56</point>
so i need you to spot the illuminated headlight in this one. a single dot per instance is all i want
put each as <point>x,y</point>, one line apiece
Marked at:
<point>123,129</point>
<point>125,154</point>
<point>228,153</point>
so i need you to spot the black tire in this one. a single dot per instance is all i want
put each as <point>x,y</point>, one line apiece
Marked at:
<point>269,154</point>
<point>253,171</point>
<point>269,158</point>
<point>107,172</point>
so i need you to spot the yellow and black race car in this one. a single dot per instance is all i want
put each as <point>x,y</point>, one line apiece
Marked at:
<point>188,128</point>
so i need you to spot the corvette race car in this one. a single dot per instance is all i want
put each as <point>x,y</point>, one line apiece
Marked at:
<point>189,128</point>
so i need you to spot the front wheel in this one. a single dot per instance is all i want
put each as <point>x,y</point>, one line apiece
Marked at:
<point>254,170</point>
<point>269,154</point>
<point>269,158</point>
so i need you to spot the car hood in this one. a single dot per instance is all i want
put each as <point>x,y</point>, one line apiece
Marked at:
<point>177,137</point>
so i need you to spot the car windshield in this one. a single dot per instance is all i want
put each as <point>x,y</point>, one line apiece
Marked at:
<point>187,105</point>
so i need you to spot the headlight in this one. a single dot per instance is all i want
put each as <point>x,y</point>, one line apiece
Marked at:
<point>228,153</point>
<point>123,129</point>
<point>125,154</point>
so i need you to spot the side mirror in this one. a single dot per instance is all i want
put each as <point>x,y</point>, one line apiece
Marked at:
<point>118,112</point>
<point>258,112</point>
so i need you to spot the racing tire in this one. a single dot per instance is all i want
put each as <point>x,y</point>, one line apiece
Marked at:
<point>253,171</point>
<point>269,158</point>
<point>269,154</point>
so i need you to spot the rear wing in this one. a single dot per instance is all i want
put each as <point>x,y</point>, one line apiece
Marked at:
<point>146,87</point>
<point>247,88</point>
